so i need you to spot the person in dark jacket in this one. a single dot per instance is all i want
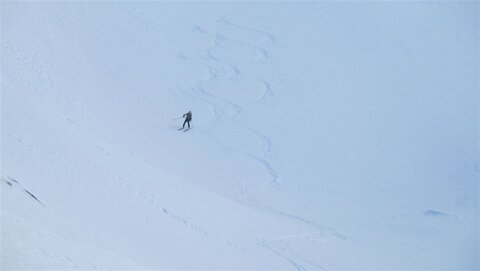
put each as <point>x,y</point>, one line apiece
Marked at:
<point>188,118</point>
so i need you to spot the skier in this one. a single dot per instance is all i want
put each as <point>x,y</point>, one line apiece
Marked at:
<point>187,119</point>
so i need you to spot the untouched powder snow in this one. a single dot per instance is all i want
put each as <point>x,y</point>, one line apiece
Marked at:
<point>326,135</point>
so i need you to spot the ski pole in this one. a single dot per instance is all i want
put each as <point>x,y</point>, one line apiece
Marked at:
<point>177,118</point>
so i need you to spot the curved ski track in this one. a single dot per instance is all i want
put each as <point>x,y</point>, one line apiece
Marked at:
<point>227,110</point>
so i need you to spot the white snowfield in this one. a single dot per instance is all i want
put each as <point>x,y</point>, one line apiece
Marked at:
<point>326,135</point>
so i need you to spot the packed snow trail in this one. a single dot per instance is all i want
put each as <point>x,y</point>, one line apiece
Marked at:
<point>227,111</point>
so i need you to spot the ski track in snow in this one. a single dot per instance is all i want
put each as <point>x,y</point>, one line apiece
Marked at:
<point>228,111</point>
<point>224,111</point>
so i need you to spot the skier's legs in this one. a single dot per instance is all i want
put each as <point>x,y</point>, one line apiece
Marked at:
<point>188,124</point>
<point>184,123</point>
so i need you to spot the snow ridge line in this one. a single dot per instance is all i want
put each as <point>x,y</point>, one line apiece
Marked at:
<point>66,260</point>
<point>153,200</point>
<point>219,104</point>
<point>276,251</point>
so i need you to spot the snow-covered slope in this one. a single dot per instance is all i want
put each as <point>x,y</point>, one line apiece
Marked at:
<point>325,135</point>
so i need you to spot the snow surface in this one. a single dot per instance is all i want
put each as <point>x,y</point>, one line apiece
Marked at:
<point>326,135</point>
